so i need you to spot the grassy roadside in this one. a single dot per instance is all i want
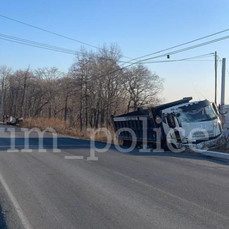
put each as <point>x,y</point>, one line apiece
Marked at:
<point>62,127</point>
<point>222,149</point>
<point>223,146</point>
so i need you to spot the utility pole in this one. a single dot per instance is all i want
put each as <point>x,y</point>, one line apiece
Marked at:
<point>223,82</point>
<point>216,63</point>
<point>2,99</point>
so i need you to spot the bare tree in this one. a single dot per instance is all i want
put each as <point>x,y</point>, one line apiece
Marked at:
<point>95,88</point>
<point>142,87</point>
<point>4,75</point>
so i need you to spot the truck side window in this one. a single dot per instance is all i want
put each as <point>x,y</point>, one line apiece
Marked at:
<point>215,108</point>
<point>164,119</point>
<point>171,121</point>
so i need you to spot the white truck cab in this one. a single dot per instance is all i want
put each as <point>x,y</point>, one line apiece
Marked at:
<point>193,123</point>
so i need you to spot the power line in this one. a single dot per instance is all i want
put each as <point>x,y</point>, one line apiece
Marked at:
<point>163,61</point>
<point>48,31</point>
<point>41,45</point>
<point>176,60</point>
<point>68,51</point>
<point>180,50</point>
<point>36,44</point>
<point>179,45</point>
<point>183,59</point>
<point>53,33</point>
<point>93,46</point>
<point>171,53</point>
<point>31,45</point>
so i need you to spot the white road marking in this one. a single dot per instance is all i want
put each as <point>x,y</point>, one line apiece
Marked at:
<point>74,157</point>
<point>16,205</point>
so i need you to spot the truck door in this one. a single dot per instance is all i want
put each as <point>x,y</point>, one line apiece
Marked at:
<point>169,123</point>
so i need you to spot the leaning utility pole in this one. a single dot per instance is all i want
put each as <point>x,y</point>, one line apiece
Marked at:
<point>216,77</point>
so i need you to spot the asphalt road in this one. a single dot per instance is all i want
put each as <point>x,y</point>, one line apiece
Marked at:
<point>120,190</point>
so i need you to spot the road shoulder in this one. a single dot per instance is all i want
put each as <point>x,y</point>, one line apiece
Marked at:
<point>8,216</point>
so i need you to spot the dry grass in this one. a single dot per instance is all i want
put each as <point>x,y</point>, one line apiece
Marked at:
<point>223,147</point>
<point>62,127</point>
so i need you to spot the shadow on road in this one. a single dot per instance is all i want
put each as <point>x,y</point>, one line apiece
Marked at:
<point>62,143</point>
<point>67,143</point>
<point>2,220</point>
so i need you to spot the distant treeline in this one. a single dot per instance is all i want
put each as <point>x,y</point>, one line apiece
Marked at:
<point>94,88</point>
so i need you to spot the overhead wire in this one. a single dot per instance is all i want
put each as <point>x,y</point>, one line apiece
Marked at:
<point>36,44</point>
<point>93,46</point>
<point>182,44</point>
<point>85,43</point>
<point>53,33</point>
<point>68,51</point>
<point>162,61</point>
<point>179,51</point>
<point>184,59</point>
<point>142,61</point>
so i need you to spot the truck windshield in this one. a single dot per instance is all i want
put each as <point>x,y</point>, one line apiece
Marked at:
<point>198,115</point>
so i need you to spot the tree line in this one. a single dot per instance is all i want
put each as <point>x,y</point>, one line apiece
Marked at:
<point>95,87</point>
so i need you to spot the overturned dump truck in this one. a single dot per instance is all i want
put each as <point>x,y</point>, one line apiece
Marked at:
<point>181,123</point>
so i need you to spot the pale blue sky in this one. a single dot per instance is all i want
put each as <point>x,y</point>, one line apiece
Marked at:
<point>137,27</point>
